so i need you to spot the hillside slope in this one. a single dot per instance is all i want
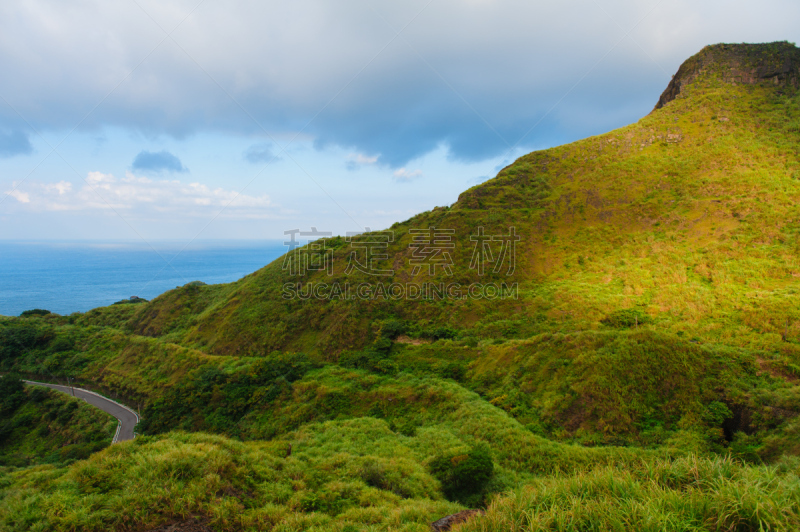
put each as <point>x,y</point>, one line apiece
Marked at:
<point>43,426</point>
<point>680,227</point>
<point>689,215</point>
<point>642,368</point>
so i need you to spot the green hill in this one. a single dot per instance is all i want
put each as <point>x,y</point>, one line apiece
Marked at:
<point>689,215</point>
<point>40,425</point>
<point>641,343</point>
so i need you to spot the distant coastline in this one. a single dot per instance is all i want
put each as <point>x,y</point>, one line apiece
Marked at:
<point>77,276</point>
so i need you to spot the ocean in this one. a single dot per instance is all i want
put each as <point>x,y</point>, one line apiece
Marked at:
<point>67,277</point>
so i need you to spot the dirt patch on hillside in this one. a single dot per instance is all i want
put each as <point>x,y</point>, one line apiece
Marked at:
<point>770,367</point>
<point>403,339</point>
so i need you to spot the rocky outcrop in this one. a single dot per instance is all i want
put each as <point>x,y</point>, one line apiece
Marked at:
<point>445,523</point>
<point>777,63</point>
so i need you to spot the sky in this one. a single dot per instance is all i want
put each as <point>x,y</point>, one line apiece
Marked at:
<point>201,119</point>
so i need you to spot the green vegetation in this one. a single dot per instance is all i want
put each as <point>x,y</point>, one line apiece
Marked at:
<point>38,425</point>
<point>464,474</point>
<point>325,484</point>
<point>688,494</point>
<point>645,378</point>
<point>35,312</point>
<point>686,216</point>
<point>133,300</point>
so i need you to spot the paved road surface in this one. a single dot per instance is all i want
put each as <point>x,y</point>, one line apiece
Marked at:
<point>127,417</point>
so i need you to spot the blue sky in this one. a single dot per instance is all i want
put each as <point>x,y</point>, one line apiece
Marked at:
<point>205,119</point>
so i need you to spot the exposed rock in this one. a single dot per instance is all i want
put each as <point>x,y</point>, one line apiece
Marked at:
<point>777,63</point>
<point>446,522</point>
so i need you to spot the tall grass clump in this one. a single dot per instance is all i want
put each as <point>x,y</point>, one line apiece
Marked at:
<point>689,493</point>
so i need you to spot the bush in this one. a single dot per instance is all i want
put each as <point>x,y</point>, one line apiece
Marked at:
<point>440,333</point>
<point>375,358</point>
<point>6,429</point>
<point>384,345</point>
<point>214,400</point>
<point>464,475</point>
<point>61,344</point>
<point>38,394</point>
<point>392,329</point>
<point>716,414</point>
<point>376,475</point>
<point>12,393</point>
<point>626,318</point>
<point>136,299</point>
<point>21,337</point>
<point>35,312</point>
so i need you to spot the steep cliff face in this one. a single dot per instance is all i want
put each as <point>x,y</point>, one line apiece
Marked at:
<point>777,63</point>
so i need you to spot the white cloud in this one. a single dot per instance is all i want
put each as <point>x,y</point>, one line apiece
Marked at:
<point>357,160</point>
<point>62,187</point>
<point>140,195</point>
<point>360,158</point>
<point>20,196</point>
<point>402,174</point>
<point>97,178</point>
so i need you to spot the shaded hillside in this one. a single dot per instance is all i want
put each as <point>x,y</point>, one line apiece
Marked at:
<point>38,425</point>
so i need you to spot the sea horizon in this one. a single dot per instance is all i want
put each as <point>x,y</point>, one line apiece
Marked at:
<point>68,276</point>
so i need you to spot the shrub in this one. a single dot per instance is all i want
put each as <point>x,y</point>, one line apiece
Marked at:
<point>61,344</point>
<point>18,338</point>
<point>6,429</point>
<point>716,414</point>
<point>12,393</point>
<point>38,394</point>
<point>214,400</point>
<point>392,329</point>
<point>440,333</point>
<point>35,312</point>
<point>464,475</point>
<point>384,345</point>
<point>626,318</point>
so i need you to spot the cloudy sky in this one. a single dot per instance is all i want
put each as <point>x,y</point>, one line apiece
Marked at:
<point>182,119</point>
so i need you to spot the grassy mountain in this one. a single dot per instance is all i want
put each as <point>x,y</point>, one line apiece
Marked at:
<point>646,371</point>
<point>688,215</point>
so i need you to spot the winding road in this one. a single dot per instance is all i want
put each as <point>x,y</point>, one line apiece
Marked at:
<point>127,418</point>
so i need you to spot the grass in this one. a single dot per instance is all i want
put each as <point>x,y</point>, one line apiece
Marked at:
<point>361,483</point>
<point>686,216</point>
<point>685,494</point>
<point>51,427</point>
<point>645,378</point>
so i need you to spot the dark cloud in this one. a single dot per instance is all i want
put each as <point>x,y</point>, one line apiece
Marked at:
<point>14,143</point>
<point>148,161</point>
<point>474,77</point>
<point>260,153</point>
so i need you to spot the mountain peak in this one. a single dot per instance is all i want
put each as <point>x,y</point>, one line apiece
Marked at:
<point>777,62</point>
